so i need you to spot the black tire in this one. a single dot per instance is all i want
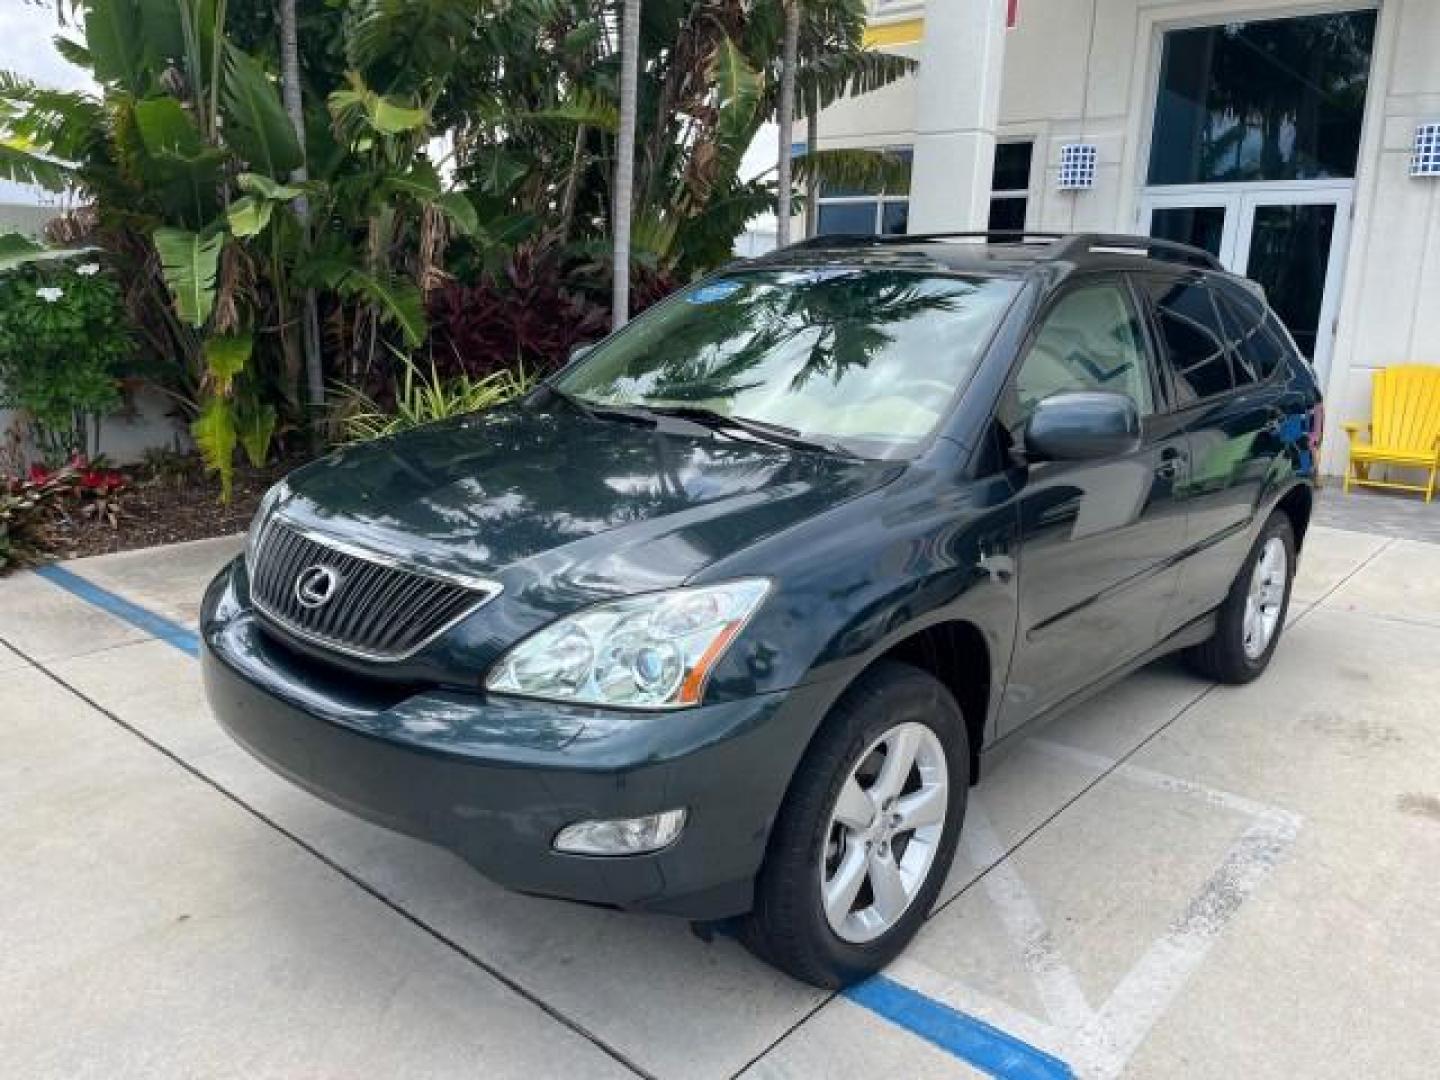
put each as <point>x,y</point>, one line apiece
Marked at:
<point>1223,657</point>
<point>788,926</point>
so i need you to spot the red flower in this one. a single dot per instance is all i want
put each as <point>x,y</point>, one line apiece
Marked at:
<point>101,481</point>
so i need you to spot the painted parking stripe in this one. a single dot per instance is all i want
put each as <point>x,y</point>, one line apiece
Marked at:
<point>972,1040</point>
<point>987,1048</point>
<point>157,626</point>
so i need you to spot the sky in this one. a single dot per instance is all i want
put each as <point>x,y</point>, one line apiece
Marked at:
<point>26,49</point>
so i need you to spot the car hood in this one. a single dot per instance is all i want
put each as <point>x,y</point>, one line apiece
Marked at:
<point>573,504</point>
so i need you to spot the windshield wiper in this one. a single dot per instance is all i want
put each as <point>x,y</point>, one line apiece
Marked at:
<point>629,414</point>
<point>777,434</point>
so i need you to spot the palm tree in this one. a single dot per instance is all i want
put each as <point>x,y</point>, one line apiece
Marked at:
<point>625,164</point>
<point>294,107</point>
<point>787,120</point>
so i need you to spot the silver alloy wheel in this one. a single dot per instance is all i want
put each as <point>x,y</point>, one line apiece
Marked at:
<point>1267,594</point>
<point>883,832</point>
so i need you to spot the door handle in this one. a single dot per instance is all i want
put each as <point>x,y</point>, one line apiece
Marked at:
<point>1170,461</point>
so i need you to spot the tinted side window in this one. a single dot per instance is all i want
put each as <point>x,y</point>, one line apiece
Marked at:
<point>1194,341</point>
<point>1257,353</point>
<point>1090,340</point>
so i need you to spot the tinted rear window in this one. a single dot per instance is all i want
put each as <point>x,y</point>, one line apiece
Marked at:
<point>1257,352</point>
<point>1194,341</point>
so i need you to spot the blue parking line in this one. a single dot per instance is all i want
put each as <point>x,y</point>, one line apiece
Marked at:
<point>987,1048</point>
<point>974,1041</point>
<point>157,626</point>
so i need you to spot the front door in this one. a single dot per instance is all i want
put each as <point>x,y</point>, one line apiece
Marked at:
<point>1290,238</point>
<point>1098,538</point>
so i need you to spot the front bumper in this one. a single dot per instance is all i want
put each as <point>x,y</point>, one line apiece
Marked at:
<point>494,779</point>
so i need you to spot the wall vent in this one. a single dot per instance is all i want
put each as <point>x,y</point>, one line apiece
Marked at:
<point>1077,167</point>
<point>1425,160</point>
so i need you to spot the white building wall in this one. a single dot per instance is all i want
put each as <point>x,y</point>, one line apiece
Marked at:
<point>1086,70</point>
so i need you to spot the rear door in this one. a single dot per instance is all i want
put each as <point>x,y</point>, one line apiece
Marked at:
<point>1098,538</point>
<point>1220,363</point>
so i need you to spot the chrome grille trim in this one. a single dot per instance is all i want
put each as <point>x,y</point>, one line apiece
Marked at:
<point>382,610</point>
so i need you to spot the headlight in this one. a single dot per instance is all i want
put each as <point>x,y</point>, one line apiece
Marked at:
<point>652,652</point>
<point>268,502</point>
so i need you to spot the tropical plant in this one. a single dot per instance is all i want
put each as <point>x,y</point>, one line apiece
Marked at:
<point>191,160</point>
<point>424,397</point>
<point>64,346</point>
<point>31,502</point>
<point>258,222</point>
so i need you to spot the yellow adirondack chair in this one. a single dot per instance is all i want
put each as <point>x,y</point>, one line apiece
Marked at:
<point>1404,428</point>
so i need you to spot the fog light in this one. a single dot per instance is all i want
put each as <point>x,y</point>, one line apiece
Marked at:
<point>624,836</point>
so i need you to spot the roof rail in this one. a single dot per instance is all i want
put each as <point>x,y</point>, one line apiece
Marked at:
<point>1013,236</point>
<point>1149,246</point>
<point>1066,245</point>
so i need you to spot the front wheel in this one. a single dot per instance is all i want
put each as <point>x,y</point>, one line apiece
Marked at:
<point>1249,624</point>
<point>867,832</point>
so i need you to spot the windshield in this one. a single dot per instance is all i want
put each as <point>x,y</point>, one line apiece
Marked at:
<point>867,359</point>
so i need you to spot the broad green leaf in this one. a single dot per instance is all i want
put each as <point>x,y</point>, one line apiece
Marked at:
<point>498,172</point>
<point>190,263</point>
<point>73,51</point>
<point>255,425</point>
<point>263,186</point>
<point>359,107</point>
<point>12,243</point>
<point>257,127</point>
<point>461,212</point>
<point>225,357</point>
<point>391,117</point>
<point>248,215</point>
<point>398,302</point>
<point>420,181</point>
<point>583,107</point>
<point>167,131</point>
<point>112,34</point>
<point>214,432</point>
<point>162,29</point>
<point>738,88</point>
<point>17,250</point>
<point>23,163</point>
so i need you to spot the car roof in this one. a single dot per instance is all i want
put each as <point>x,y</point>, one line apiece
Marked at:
<point>996,253</point>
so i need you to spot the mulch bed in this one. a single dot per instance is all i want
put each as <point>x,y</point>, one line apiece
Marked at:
<point>181,504</point>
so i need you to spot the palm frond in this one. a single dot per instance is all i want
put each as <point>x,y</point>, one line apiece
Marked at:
<point>857,170</point>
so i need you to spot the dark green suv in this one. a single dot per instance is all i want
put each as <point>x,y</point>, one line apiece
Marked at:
<point>724,619</point>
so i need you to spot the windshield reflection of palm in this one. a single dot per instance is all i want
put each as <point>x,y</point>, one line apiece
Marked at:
<point>872,357</point>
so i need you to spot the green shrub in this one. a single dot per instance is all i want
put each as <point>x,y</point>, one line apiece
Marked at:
<point>422,398</point>
<point>64,343</point>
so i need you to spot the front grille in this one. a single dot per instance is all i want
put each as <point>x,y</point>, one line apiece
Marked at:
<point>370,608</point>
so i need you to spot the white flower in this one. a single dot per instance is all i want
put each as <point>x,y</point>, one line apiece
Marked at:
<point>50,294</point>
<point>88,270</point>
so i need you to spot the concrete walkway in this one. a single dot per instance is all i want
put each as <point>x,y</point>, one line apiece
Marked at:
<point>1178,880</point>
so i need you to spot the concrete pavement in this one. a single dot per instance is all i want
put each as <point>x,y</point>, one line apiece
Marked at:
<point>1175,880</point>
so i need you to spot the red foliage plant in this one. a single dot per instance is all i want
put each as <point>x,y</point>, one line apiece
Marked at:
<point>534,313</point>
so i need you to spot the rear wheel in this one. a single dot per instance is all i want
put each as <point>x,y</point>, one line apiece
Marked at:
<point>867,832</point>
<point>1250,622</point>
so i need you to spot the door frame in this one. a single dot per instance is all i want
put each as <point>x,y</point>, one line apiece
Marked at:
<point>1240,201</point>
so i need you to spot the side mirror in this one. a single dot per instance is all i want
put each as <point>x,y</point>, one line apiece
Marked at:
<point>1082,425</point>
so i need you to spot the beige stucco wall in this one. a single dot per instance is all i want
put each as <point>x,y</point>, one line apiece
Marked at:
<point>1085,70</point>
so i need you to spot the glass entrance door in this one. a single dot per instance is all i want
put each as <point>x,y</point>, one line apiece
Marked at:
<point>1288,238</point>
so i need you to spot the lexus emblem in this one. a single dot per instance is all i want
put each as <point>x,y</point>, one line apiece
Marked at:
<point>316,586</point>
